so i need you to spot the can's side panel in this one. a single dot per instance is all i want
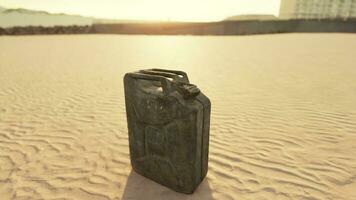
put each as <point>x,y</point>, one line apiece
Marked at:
<point>206,132</point>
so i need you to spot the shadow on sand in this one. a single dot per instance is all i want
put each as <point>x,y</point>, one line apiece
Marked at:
<point>139,187</point>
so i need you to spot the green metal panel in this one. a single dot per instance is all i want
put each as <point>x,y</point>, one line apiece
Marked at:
<point>168,123</point>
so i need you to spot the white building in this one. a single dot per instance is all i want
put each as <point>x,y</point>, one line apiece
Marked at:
<point>318,9</point>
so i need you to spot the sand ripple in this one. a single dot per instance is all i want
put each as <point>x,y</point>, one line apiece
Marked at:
<point>283,118</point>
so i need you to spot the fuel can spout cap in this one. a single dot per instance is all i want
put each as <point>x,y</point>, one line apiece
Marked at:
<point>188,90</point>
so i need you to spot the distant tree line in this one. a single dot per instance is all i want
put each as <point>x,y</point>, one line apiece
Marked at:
<point>40,30</point>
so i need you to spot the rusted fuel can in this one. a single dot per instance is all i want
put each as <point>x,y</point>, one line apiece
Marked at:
<point>168,123</point>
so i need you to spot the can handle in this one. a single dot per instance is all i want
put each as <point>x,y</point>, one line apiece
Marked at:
<point>181,74</point>
<point>165,83</point>
<point>158,73</point>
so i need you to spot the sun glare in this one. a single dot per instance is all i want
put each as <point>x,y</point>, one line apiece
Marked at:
<point>164,10</point>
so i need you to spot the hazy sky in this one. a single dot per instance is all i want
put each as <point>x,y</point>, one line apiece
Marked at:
<point>186,10</point>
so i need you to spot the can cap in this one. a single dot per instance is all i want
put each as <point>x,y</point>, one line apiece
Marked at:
<point>188,90</point>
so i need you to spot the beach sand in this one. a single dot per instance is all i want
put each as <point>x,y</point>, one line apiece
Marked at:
<point>283,120</point>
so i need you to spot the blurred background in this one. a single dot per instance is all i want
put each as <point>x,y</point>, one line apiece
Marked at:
<point>178,17</point>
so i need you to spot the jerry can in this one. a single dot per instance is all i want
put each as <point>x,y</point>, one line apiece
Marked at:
<point>168,124</point>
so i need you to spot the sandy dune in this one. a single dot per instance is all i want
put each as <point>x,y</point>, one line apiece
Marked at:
<point>283,117</point>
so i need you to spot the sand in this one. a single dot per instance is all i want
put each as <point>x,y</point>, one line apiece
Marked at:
<point>283,115</point>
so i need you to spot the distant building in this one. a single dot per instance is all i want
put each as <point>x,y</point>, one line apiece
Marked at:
<point>317,9</point>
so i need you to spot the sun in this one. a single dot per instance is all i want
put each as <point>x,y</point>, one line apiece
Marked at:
<point>165,10</point>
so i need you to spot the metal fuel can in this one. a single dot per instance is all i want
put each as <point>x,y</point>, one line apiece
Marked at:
<point>168,125</point>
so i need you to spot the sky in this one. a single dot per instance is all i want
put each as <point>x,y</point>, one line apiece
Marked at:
<point>174,10</point>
